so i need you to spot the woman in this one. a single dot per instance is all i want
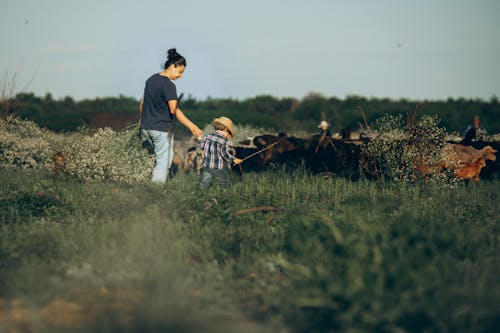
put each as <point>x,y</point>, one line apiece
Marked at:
<point>159,111</point>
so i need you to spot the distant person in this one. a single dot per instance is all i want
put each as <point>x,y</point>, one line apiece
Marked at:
<point>216,154</point>
<point>471,133</point>
<point>324,126</point>
<point>159,110</point>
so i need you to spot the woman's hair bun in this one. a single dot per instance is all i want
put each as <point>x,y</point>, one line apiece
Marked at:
<point>171,53</point>
<point>174,58</point>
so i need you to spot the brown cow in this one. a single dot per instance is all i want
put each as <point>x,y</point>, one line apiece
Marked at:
<point>176,163</point>
<point>471,171</point>
<point>466,161</point>
<point>457,154</point>
<point>193,160</point>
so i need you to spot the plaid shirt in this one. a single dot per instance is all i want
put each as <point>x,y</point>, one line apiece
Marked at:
<point>216,151</point>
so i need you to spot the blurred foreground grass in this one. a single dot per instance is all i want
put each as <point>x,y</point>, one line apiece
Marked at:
<point>337,256</point>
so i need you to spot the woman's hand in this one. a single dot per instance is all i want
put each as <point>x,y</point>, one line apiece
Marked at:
<point>181,117</point>
<point>197,132</point>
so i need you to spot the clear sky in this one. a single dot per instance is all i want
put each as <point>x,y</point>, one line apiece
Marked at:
<point>384,48</point>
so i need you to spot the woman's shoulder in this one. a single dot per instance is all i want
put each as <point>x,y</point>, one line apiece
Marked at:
<point>163,80</point>
<point>159,77</point>
<point>153,76</point>
<point>152,79</point>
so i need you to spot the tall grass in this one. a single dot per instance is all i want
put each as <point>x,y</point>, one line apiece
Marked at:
<point>336,256</point>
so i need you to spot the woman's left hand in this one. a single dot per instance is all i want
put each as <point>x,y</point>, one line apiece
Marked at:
<point>197,132</point>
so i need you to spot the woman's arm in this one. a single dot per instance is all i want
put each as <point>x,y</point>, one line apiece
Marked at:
<point>197,132</point>
<point>140,111</point>
<point>181,117</point>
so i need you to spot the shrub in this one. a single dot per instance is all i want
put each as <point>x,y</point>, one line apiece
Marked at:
<point>398,150</point>
<point>109,155</point>
<point>24,145</point>
<point>102,155</point>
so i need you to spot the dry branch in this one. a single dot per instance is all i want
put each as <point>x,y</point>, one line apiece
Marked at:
<point>257,209</point>
<point>367,127</point>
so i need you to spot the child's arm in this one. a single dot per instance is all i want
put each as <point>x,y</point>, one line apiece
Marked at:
<point>228,156</point>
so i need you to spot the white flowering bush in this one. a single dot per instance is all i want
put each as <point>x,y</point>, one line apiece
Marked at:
<point>24,145</point>
<point>92,156</point>
<point>109,155</point>
<point>397,150</point>
<point>485,136</point>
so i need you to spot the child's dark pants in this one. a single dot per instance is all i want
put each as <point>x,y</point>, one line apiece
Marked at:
<point>208,175</point>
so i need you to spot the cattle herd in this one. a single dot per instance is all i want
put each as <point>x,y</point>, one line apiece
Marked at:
<point>338,155</point>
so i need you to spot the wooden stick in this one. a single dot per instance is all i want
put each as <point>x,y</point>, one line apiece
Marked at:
<point>258,152</point>
<point>256,209</point>
<point>333,145</point>
<point>241,171</point>
<point>364,117</point>
<point>321,140</point>
<point>269,218</point>
<point>414,118</point>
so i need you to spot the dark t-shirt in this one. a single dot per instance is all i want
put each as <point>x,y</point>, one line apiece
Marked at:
<point>469,135</point>
<point>155,111</point>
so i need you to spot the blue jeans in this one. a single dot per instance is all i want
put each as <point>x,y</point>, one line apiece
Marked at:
<point>163,144</point>
<point>207,177</point>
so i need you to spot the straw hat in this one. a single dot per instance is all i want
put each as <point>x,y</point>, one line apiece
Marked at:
<point>323,124</point>
<point>228,123</point>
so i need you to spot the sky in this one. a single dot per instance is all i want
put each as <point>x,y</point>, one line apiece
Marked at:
<point>418,49</point>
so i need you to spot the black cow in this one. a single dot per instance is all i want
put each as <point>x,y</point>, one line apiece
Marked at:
<point>329,155</point>
<point>315,153</point>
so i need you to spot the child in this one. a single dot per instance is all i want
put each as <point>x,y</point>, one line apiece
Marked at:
<point>216,153</point>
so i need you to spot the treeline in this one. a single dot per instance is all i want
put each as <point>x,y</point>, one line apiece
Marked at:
<point>66,114</point>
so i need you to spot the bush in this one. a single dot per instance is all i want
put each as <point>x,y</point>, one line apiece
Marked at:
<point>109,155</point>
<point>102,155</point>
<point>399,150</point>
<point>24,145</point>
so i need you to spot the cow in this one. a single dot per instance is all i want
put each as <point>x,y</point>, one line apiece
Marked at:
<point>248,142</point>
<point>193,160</point>
<point>254,163</point>
<point>471,171</point>
<point>332,155</point>
<point>316,153</point>
<point>466,161</point>
<point>177,162</point>
<point>267,151</point>
<point>457,153</point>
<point>284,149</point>
<point>492,166</point>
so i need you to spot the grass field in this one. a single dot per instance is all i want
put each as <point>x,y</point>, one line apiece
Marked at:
<point>337,256</point>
